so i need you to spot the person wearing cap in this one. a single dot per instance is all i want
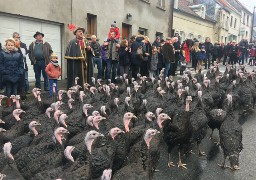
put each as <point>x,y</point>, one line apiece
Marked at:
<point>39,55</point>
<point>77,62</point>
<point>11,68</point>
<point>96,52</point>
<point>168,56</point>
<point>53,71</point>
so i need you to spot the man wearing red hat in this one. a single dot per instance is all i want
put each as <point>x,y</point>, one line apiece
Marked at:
<point>76,58</point>
<point>39,55</point>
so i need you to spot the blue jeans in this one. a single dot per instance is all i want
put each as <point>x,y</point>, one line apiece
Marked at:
<point>51,81</point>
<point>98,61</point>
<point>111,66</point>
<point>38,68</point>
<point>166,68</point>
<point>26,85</point>
<point>243,57</point>
<point>11,88</point>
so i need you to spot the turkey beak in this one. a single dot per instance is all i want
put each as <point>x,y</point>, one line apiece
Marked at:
<point>158,132</point>
<point>169,117</point>
<point>134,117</point>
<point>103,118</point>
<point>1,121</point>
<point>38,124</point>
<point>101,135</point>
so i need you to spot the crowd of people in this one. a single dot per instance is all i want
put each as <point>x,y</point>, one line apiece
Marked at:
<point>114,58</point>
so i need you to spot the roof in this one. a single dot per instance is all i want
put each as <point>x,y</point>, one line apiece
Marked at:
<point>183,5</point>
<point>238,5</point>
<point>225,4</point>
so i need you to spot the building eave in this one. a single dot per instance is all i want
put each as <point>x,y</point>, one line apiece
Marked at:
<point>196,16</point>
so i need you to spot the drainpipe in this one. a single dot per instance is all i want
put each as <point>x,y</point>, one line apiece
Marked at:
<point>253,14</point>
<point>170,24</point>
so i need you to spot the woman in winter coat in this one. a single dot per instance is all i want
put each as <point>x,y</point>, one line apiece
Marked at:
<point>11,68</point>
<point>136,58</point>
<point>195,54</point>
<point>153,62</point>
<point>145,64</point>
<point>124,57</point>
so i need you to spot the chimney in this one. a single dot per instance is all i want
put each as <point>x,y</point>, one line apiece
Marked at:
<point>176,4</point>
<point>195,2</point>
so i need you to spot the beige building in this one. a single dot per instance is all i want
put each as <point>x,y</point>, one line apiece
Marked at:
<point>149,17</point>
<point>190,21</point>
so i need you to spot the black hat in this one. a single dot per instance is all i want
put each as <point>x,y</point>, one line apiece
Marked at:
<point>37,33</point>
<point>78,28</point>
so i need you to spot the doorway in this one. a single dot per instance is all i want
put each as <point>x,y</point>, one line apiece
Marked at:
<point>126,31</point>
<point>91,24</point>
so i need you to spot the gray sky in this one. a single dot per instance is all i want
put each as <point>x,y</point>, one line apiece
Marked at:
<point>249,4</point>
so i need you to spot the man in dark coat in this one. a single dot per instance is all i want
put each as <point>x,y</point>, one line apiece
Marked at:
<point>136,59</point>
<point>77,59</point>
<point>208,49</point>
<point>169,57</point>
<point>177,46</point>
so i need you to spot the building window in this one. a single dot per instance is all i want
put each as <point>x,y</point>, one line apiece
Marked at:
<point>147,1</point>
<point>246,34</point>
<point>235,23</point>
<point>91,24</point>
<point>161,3</point>
<point>244,19</point>
<point>143,31</point>
<point>231,21</point>
<point>160,35</point>
<point>247,23</point>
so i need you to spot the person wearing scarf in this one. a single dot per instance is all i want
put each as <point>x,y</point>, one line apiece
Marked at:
<point>54,72</point>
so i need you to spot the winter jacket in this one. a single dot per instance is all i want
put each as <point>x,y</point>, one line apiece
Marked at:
<point>208,47</point>
<point>154,62</point>
<point>168,53</point>
<point>135,45</point>
<point>116,30</point>
<point>54,72</point>
<point>114,50</point>
<point>252,52</point>
<point>104,50</point>
<point>96,50</point>
<point>186,48</point>
<point>11,65</point>
<point>233,51</point>
<point>47,51</point>
<point>124,56</point>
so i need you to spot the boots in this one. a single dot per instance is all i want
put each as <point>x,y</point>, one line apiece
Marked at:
<point>8,102</point>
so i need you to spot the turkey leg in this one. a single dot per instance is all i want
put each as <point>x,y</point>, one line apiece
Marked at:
<point>170,163</point>
<point>180,164</point>
<point>223,165</point>
<point>200,152</point>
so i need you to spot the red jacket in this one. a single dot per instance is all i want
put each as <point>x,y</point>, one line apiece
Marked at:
<point>252,52</point>
<point>53,71</point>
<point>187,52</point>
<point>116,30</point>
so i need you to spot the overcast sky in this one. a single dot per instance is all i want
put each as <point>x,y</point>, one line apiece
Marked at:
<point>249,4</point>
